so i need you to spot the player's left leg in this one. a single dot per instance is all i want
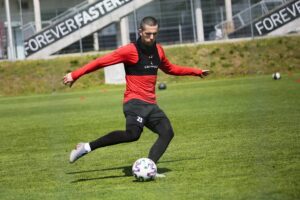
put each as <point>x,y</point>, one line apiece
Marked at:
<point>160,124</point>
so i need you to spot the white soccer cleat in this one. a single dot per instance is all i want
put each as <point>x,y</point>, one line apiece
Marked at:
<point>160,175</point>
<point>78,152</point>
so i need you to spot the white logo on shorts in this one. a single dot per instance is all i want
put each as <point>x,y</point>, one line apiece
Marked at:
<point>139,119</point>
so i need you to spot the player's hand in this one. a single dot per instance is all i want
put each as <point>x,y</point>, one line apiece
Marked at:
<point>205,72</point>
<point>68,80</point>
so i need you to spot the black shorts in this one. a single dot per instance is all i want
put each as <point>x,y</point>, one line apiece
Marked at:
<point>140,113</point>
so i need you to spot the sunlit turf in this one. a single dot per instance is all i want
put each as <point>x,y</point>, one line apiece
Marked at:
<point>234,139</point>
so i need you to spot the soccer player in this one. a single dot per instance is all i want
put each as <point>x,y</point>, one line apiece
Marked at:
<point>141,59</point>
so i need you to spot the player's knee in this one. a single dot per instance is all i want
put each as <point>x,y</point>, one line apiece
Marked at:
<point>170,134</point>
<point>134,133</point>
<point>165,131</point>
<point>167,134</point>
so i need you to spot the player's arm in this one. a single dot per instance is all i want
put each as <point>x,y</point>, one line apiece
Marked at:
<point>109,59</point>
<point>121,55</point>
<point>172,69</point>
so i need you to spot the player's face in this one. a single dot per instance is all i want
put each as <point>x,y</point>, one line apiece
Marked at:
<point>148,34</point>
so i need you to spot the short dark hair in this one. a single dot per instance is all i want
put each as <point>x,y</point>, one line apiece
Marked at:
<point>150,21</point>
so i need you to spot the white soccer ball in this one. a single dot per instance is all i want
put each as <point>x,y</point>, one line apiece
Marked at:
<point>276,76</point>
<point>144,169</point>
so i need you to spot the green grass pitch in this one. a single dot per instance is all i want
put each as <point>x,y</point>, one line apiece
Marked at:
<point>234,138</point>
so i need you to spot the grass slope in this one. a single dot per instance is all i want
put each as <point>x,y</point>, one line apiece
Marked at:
<point>234,139</point>
<point>259,56</point>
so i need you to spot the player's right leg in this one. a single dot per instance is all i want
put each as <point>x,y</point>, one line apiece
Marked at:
<point>134,128</point>
<point>131,134</point>
<point>133,111</point>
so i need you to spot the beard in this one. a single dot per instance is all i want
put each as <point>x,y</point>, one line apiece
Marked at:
<point>147,48</point>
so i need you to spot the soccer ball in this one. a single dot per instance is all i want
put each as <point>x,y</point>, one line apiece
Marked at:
<point>276,76</point>
<point>144,169</point>
<point>162,86</point>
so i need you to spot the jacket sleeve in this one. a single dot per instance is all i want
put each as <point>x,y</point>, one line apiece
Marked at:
<point>172,69</point>
<point>123,54</point>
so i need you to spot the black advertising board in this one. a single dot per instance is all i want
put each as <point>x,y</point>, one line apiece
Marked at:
<point>71,24</point>
<point>274,20</point>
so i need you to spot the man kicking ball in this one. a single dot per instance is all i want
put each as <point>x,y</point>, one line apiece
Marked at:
<point>141,60</point>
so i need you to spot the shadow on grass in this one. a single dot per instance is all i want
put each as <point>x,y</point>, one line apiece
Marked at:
<point>126,170</point>
<point>180,160</point>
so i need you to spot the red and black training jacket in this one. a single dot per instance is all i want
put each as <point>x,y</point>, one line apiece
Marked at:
<point>141,69</point>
